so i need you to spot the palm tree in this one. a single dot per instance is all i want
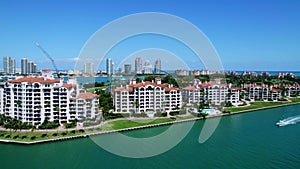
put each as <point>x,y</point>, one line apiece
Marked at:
<point>136,106</point>
<point>19,102</point>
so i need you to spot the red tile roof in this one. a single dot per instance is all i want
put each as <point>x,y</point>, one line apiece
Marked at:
<point>192,88</point>
<point>34,79</point>
<point>67,85</point>
<point>235,88</point>
<point>87,95</point>
<point>121,89</point>
<point>146,83</point>
<point>171,88</point>
<point>276,90</point>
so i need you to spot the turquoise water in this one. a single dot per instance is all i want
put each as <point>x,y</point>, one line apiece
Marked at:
<point>249,140</point>
<point>207,111</point>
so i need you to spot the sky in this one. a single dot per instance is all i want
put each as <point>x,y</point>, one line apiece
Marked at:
<point>247,34</point>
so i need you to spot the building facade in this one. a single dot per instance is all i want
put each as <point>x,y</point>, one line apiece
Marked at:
<point>138,65</point>
<point>109,67</point>
<point>147,67</point>
<point>146,96</point>
<point>89,68</point>
<point>127,69</point>
<point>87,106</point>
<point>34,99</point>
<point>9,65</point>
<point>157,66</point>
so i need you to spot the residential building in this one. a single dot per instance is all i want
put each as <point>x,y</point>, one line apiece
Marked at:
<point>147,67</point>
<point>191,94</point>
<point>109,67</point>
<point>233,95</point>
<point>89,68</point>
<point>182,72</point>
<point>213,92</point>
<point>157,66</point>
<point>138,65</point>
<point>34,99</point>
<point>87,106</point>
<point>263,92</point>
<point>146,96</point>
<point>292,90</point>
<point>9,65</point>
<point>127,68</point>
<point>24,64</point>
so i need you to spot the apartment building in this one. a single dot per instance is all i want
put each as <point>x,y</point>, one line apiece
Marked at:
<point>34,99</point>
<point>146,96</point>
<point>87,106</point>
<point>261,92</point>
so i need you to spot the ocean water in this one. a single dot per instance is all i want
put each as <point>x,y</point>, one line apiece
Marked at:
<point>249,140</point>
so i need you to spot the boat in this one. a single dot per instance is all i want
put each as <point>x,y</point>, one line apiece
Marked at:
<point>284,123</point>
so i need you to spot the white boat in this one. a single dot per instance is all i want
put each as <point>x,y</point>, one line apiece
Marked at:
<point>284,123</point>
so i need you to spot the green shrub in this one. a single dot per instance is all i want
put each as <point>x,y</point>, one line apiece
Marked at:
<point>160,114</point>
<point>44,135</point>
<point>174,113</point>
<point>143,114</point>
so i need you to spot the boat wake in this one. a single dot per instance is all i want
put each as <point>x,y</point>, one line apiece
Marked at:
<point>288,121</point>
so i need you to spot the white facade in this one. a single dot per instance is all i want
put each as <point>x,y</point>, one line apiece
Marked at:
<point>34,99</point>
<point>261,92</point>
<point>89,68</point>
<point>87,106</point>
<point>191,94</point>
<point>233,96</point>
<point>215,93</point>
<point>138,65</point>
<point>146,96</point>
<point>147,67</point>
<point>292,91</point>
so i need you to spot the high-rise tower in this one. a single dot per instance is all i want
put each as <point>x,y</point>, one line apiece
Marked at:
<point>157,66</point>
<point>138,65</point>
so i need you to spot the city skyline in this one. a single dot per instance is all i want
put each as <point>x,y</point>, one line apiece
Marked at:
<point>27,66</point>
<point>244,39</point>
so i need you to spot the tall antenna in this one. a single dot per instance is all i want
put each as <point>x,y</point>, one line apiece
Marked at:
<point>49,57</point>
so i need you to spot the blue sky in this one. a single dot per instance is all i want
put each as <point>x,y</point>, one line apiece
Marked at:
<point>247,34</point>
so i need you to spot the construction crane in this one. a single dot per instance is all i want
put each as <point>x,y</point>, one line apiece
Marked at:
<point>45,52</point>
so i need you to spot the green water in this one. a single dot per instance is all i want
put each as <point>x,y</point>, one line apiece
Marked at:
<point>249,140</point>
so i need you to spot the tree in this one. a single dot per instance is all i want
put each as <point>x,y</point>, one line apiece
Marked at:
<point>203,115</point>
<point>19,102</point>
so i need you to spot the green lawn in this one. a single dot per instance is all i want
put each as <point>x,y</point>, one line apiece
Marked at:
<point>36,136</point>
<point>256,105</point>
<point>121,124</point>
<point>295,100</point>
<point>92,90</point>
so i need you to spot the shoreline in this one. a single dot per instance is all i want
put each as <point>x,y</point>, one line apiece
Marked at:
<point>139,127</point>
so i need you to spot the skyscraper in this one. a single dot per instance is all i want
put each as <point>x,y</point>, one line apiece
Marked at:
<point>9,65</point>
<point>147,67</point>
<point>109,67</point>
<point>24,64</point>
<point>89,68</point>
<point>157,66</point>
<point>34,68</point>
<point>127,68</point>
<point>12,67</point>
<point>138,65</point>
<point>30,67</point>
